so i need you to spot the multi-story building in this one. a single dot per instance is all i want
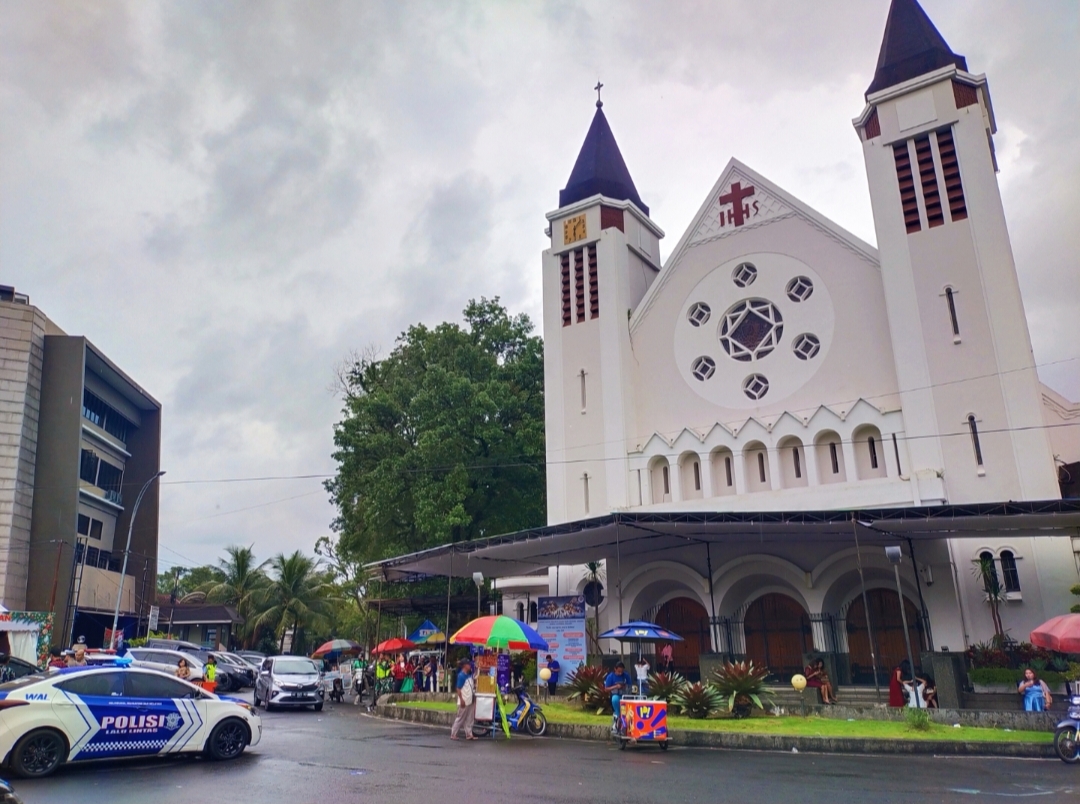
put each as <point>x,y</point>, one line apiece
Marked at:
<point>78,438</point>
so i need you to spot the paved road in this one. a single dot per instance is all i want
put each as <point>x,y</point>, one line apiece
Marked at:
<point>339,755</point>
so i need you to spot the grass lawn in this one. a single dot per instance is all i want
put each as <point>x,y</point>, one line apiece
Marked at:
<point>793,726</point>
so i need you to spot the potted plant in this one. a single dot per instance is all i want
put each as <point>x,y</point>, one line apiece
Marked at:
<point>742,685</point>
<point>698,700</point>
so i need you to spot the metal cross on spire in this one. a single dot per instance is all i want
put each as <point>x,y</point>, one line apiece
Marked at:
<point>598,87</point>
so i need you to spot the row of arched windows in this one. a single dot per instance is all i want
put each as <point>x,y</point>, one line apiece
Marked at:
<point>757,468</point>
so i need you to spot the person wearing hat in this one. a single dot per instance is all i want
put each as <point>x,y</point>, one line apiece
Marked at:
<point>466,703</point>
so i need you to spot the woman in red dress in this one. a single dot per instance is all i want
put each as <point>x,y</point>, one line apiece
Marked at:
<point>897,697</point>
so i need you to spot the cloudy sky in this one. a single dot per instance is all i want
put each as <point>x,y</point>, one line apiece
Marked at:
<point>228,198</point>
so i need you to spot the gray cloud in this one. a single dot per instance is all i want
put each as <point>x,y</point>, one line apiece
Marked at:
<point>228,197</point>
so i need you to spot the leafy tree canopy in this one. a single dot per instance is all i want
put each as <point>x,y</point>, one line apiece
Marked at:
<point>184,580</point>
<point>443,439</point>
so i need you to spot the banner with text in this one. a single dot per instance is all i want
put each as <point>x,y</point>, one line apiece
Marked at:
<point>561,622</point>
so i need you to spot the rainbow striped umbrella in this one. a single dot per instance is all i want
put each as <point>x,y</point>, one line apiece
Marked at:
<point>499,632</point>
<point>338,646</point>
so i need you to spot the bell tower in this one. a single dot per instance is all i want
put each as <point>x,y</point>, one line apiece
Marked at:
<point>604,254</point>
<point>968,384</point>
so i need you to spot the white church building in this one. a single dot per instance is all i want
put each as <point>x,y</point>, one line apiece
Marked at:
<point>737,432</point>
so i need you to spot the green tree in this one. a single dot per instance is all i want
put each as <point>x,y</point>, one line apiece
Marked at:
<point>985,573</point>
<point>442,440</point>
<point>297,596</point>
<point>242,582</point>
<point>185,580</point>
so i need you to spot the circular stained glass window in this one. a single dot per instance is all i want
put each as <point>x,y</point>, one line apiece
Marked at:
<point>751,329</point>
<point>698,313</point>
<point>703,368</point>
<point>806,346</point>
<point>744,274</point>
<point>755,386</point>
<point>800,289</point>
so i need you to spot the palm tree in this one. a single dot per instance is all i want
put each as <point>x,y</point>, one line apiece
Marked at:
<point>297,595</point>
<point>985,573</point>
<point>243,581</point>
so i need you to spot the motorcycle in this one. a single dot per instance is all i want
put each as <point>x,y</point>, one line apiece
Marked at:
<point>1067,733</point>
<point>527,716</point>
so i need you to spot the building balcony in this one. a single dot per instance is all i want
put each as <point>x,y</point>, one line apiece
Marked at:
<point>98,590</point>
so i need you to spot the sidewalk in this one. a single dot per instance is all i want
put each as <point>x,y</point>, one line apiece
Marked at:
<point>388,709</point>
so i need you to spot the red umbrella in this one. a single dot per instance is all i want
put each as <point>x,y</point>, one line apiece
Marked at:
<point>1061,633</point>
<point>394,645</point>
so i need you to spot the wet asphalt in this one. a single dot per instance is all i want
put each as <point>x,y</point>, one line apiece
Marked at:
<point>342,755</point>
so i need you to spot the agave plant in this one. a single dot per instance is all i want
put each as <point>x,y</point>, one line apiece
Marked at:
<point>666,686</point>
<point>742,685</point>
<point>586,684</point>
<point>698,700</point>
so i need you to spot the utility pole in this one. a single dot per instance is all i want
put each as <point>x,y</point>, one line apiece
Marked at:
<point>127,550</point>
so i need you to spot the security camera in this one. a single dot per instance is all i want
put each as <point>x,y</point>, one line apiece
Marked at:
<point>893,554</point>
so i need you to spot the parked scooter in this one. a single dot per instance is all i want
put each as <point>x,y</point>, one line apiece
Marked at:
<point>527,717</point>
<point>1067,733</point>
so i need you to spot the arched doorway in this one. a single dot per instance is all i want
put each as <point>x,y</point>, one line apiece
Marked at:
<point>888,628</point>
<point>688,619</point>
<point>778,633</point>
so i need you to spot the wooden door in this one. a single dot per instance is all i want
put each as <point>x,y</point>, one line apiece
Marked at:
<point>778,633</point>
<point>688,619</point>
<point>888,628</point>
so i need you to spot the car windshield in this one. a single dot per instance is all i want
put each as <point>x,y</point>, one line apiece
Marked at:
<point>299,666</point>
<point>25,681</point>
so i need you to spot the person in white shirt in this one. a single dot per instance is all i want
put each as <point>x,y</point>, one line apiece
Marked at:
<point>641,673</point>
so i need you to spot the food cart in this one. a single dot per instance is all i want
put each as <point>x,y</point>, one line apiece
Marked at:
<point>642,720</point>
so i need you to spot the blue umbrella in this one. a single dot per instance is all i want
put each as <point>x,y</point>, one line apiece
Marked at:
<point>640,631</point>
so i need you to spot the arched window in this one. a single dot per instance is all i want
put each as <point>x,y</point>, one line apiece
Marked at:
<point>950,298</point>
<point>872,444</point>
<point>798,462</point>
<point>991,582</point>
<point>532,612</point>
<point>697,476</point>
<point>521,612</point>
<point>727,471</point>
<point>1009,571</point>
<point>834,457</point>
<point>667,480</point>
<point>761,466</point>
<point>973,427</point>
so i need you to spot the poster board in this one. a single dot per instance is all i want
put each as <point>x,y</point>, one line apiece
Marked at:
<point>560,621</point>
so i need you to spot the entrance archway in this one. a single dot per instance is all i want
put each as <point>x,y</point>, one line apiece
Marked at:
<point>687,618</point>
<point>888,628</point>
<point>778,633</point>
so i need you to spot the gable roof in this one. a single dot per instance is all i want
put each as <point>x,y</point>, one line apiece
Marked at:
<point>600,169</point>
<point>911,47</point>
<point>774,204</point>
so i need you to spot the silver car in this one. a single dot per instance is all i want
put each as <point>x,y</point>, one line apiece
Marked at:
<point>289,681</point>
<point>165,660</point>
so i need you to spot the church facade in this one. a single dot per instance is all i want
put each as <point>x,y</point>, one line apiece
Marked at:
<point>775,362</point>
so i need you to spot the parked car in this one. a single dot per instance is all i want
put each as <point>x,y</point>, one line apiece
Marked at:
<point>165,661</point>
<point>173,644</point>
<point>244,673</point>
<point>12,667</point>
<point>289,681</point>
<point>233,674</point>
<point>252,657</point>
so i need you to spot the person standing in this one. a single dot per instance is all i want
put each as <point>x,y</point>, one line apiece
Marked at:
<point>667,656</point>
<point>182,670</point>
<point>554,667</point>
<point>466,703</point>
<point>56,658</point>
<point>210,673</point>
<point>897,697</point>
<point>641,672</point>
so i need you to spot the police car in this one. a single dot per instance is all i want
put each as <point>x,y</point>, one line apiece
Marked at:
<point>100,712</point>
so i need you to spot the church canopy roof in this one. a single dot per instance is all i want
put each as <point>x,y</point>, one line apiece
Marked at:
<point>600,169</point>
<point>629,534</point>
<point>911,47</point>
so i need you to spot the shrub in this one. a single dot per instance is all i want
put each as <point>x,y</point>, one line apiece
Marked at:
<point>698,701</point>
<point>1076,591</point>
<point>586,684</point>
<point>918,719</point>
<point>986,654</point>
<point>1006,675</point>
<point>741,684</point>
<point>666,686</point>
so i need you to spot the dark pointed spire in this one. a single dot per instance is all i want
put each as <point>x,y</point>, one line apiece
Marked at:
<point>911,47</point>
<point>600,168</point>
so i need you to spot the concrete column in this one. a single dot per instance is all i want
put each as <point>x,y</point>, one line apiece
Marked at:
<point>809,454</point>
<point>738,463</point>
<point>675,479</point>
<point>707,490</point>
<point>851,471</point>
<point>775,470</point>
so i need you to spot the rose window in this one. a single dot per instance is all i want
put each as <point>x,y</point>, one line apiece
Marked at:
<point>755,386</point>
<point>751,329</point>
<point>703,368</point>
<point>800,289</point>
<point>744,274</point>
<point>806,346</point>
<point>698,313</point>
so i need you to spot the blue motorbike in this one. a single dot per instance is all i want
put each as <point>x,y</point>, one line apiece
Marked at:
<point>527,717</point>
<point>1067,733</point>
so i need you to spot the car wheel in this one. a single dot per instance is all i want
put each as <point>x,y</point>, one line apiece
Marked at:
<point>38,754</point>
<point>228,739</point>
<point>318,706</point>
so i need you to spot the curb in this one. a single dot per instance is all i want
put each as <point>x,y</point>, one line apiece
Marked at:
<point>758,742</point>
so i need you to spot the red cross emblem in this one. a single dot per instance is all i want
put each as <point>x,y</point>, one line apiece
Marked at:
<point>739,211</point>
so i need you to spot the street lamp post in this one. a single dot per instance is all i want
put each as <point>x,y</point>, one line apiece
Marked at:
<point>478,579</point>
<point>127,550</point>
<point>895,556</point>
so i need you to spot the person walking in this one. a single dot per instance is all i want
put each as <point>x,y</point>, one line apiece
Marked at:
<point>466,703</point>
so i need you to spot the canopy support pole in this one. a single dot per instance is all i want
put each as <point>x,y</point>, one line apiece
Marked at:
<point>446,645</point>
<point>929,633</point>
<point>866,609</point>
<point>712,598</point>
<point>618,570</point>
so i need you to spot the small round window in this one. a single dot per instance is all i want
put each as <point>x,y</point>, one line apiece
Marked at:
<point>755,386</point>
<point>744,274</point>
<point>698,314</point>
<point>800,289</point>
<point>703,368</point>
<point>806,346</point>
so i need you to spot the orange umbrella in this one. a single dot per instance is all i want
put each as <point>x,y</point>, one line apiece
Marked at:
<point>1061,633</point>
<point>394,645</point>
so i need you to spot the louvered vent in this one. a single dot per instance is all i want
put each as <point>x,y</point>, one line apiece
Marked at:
<point>950,172</point>
<point>567,305</point>
<point>579,283</point>
<point>594,285</point>
<point>908,200</point>
<point>935,215</point>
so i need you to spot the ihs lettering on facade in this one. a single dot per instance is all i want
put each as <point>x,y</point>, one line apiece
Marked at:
<point>739,212</point>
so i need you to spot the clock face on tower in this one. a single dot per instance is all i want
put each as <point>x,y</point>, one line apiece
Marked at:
<point>574,229</point>
<point>754,330</point>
